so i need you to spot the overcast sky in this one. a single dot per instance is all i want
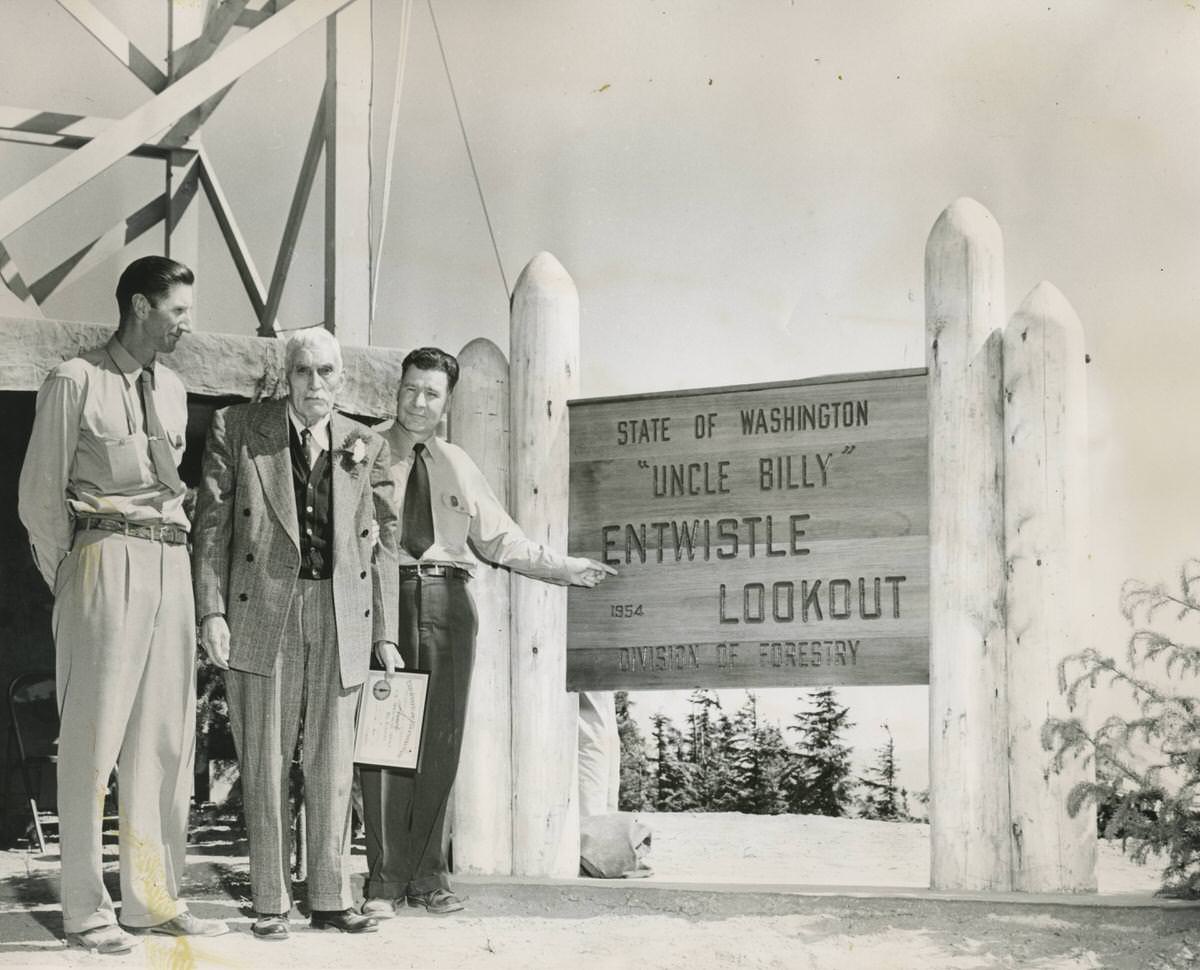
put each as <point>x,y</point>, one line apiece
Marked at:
<point>741,192</point>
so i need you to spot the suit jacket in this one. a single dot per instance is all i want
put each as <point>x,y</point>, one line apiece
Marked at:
<point>246,542</point>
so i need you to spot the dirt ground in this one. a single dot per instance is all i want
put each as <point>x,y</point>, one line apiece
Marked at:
<point>791,895</point>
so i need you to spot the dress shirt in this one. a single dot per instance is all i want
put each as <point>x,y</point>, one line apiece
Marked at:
<point>464,506</point>
<point>89,455</point>
<point>319,432</point>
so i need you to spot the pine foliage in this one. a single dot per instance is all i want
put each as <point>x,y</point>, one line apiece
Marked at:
<point>1147,787</point>
<point>818,781</point>
<point>881,797</point>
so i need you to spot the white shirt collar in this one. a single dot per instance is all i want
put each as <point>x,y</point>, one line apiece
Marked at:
<point>320,430</point>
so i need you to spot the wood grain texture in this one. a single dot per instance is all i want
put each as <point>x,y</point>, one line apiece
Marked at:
<point>964,304</point>
<point>544,360</point>
<point>734,515</point>
<point>1045,491</point>
<point>482,815</point>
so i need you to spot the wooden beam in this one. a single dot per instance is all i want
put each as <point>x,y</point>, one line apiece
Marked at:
<point>113,39</point>
<point>118,237</point>
<point>140,125</point>
<point>348,174</point>
<point>53,129</point>
<point>188,56</point>
<point>15,283</point>
<point>295,218</point>
<point>211,364</point>
<point>236,242</point>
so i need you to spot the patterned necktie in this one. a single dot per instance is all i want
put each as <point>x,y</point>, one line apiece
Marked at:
<point>161,455</point>
<point>417,527</point>
<point>306,442</point>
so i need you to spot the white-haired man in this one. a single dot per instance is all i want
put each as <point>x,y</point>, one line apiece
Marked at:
<point>295,574</point>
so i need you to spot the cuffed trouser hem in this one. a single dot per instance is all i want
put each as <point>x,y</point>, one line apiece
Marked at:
<point>143,920</point>
<point>427,884</point>
<point>378,889</point>
<point>92,922</point>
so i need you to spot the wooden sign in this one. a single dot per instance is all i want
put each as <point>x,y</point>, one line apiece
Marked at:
<point>765,536</point>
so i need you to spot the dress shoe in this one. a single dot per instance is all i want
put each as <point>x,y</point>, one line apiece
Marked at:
<point>436,901</point>
<point>344,921</point>
<point>270,926</point>
<point>379,908</point>
<point>185,924</point>
<point>103,939</point>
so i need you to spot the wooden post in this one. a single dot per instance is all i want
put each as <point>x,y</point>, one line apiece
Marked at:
<point>1045,513</point>
<point>544,361</point>
<point>968,743</point>
<point>481,818</point>
<point>185,23</point>
<point>348,174</point>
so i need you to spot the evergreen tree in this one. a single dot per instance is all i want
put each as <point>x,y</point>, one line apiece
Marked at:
<point>708,751</point>
<point>635,794</point>
<point>882,798</point>
<point>1147,785</point>
<point>674,790</point>
<point>817,782</point>
<point>759,762</point>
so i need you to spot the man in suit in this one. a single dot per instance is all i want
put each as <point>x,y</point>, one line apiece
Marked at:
<point>295,572</point>
<point>445,502</point>
<point>101,497</point>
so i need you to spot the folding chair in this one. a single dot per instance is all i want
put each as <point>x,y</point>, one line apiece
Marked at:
<point>33,721</point>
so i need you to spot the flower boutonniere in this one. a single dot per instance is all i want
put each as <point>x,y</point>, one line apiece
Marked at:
<point>353,453</point>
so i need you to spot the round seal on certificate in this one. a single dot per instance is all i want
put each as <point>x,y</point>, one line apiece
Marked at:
<point>381,690</point>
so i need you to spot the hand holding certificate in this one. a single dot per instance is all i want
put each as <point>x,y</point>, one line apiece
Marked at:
<point>391,716</point>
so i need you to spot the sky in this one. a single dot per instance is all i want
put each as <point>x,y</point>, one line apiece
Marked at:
<point>741,193</point>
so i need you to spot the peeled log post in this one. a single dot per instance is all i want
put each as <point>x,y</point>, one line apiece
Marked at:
<point>968,736</point>
<point>481,816</point>
<point>1045,511</point>
<point>544,359</point>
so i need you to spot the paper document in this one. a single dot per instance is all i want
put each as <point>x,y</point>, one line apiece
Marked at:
<point>391,716</point>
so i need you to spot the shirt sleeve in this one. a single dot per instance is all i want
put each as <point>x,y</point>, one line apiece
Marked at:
<point>500,540</point>
<point>46,473</point>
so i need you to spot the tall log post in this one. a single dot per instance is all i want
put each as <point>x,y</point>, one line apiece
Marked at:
<point>1045,513</point>
<point>544,359</point>
<point>968,742</point>
<point>481,817</point>
<point>348,259</point>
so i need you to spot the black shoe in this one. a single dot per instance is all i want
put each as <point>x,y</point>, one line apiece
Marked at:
<point>345,921</point>
<point>270,926</point>
<point>436,901</point>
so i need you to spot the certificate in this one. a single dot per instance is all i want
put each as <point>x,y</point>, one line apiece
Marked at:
<point>391,716</point>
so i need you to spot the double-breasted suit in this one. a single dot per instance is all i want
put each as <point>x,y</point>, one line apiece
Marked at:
<point>299,644</point>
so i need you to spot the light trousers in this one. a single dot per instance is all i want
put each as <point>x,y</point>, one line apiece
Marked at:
<point>125,639</point>
<point>303,696</point>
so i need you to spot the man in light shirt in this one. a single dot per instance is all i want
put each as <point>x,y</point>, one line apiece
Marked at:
<point>101,498</point>
<point>444,501</point>
<point>295,569</point>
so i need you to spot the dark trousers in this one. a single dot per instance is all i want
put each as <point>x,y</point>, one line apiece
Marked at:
<point>404,813</point>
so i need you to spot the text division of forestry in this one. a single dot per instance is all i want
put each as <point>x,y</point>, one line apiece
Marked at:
<point>763,536</point>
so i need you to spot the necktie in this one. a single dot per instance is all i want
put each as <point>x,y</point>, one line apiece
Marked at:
<point>310,452</point>
<point>161,455</point>
<point>417,527</point>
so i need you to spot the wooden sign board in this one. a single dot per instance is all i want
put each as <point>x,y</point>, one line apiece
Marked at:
<point>766,536</point>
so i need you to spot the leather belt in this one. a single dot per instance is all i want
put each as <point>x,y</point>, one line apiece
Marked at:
<point>433,570</point>
<point>173,535</point>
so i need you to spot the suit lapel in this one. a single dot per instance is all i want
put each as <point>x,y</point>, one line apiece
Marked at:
<point>345,486</point>
<point>273,459</point>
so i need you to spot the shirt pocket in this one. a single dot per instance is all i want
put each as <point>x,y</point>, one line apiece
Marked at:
<point>126,460</point>
<point>453,522</point>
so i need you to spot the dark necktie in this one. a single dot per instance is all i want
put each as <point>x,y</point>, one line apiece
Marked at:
<point>306,444</point>
<point>417,527</point>
<point>161,455</point>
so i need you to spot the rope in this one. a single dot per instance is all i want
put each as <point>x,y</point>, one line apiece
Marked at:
<point>470,156</point>
<point>393,127</point>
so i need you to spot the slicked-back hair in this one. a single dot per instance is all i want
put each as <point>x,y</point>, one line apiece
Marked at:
<point>312,339</point>
<point>432,358</point>
<point>153,277</point>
